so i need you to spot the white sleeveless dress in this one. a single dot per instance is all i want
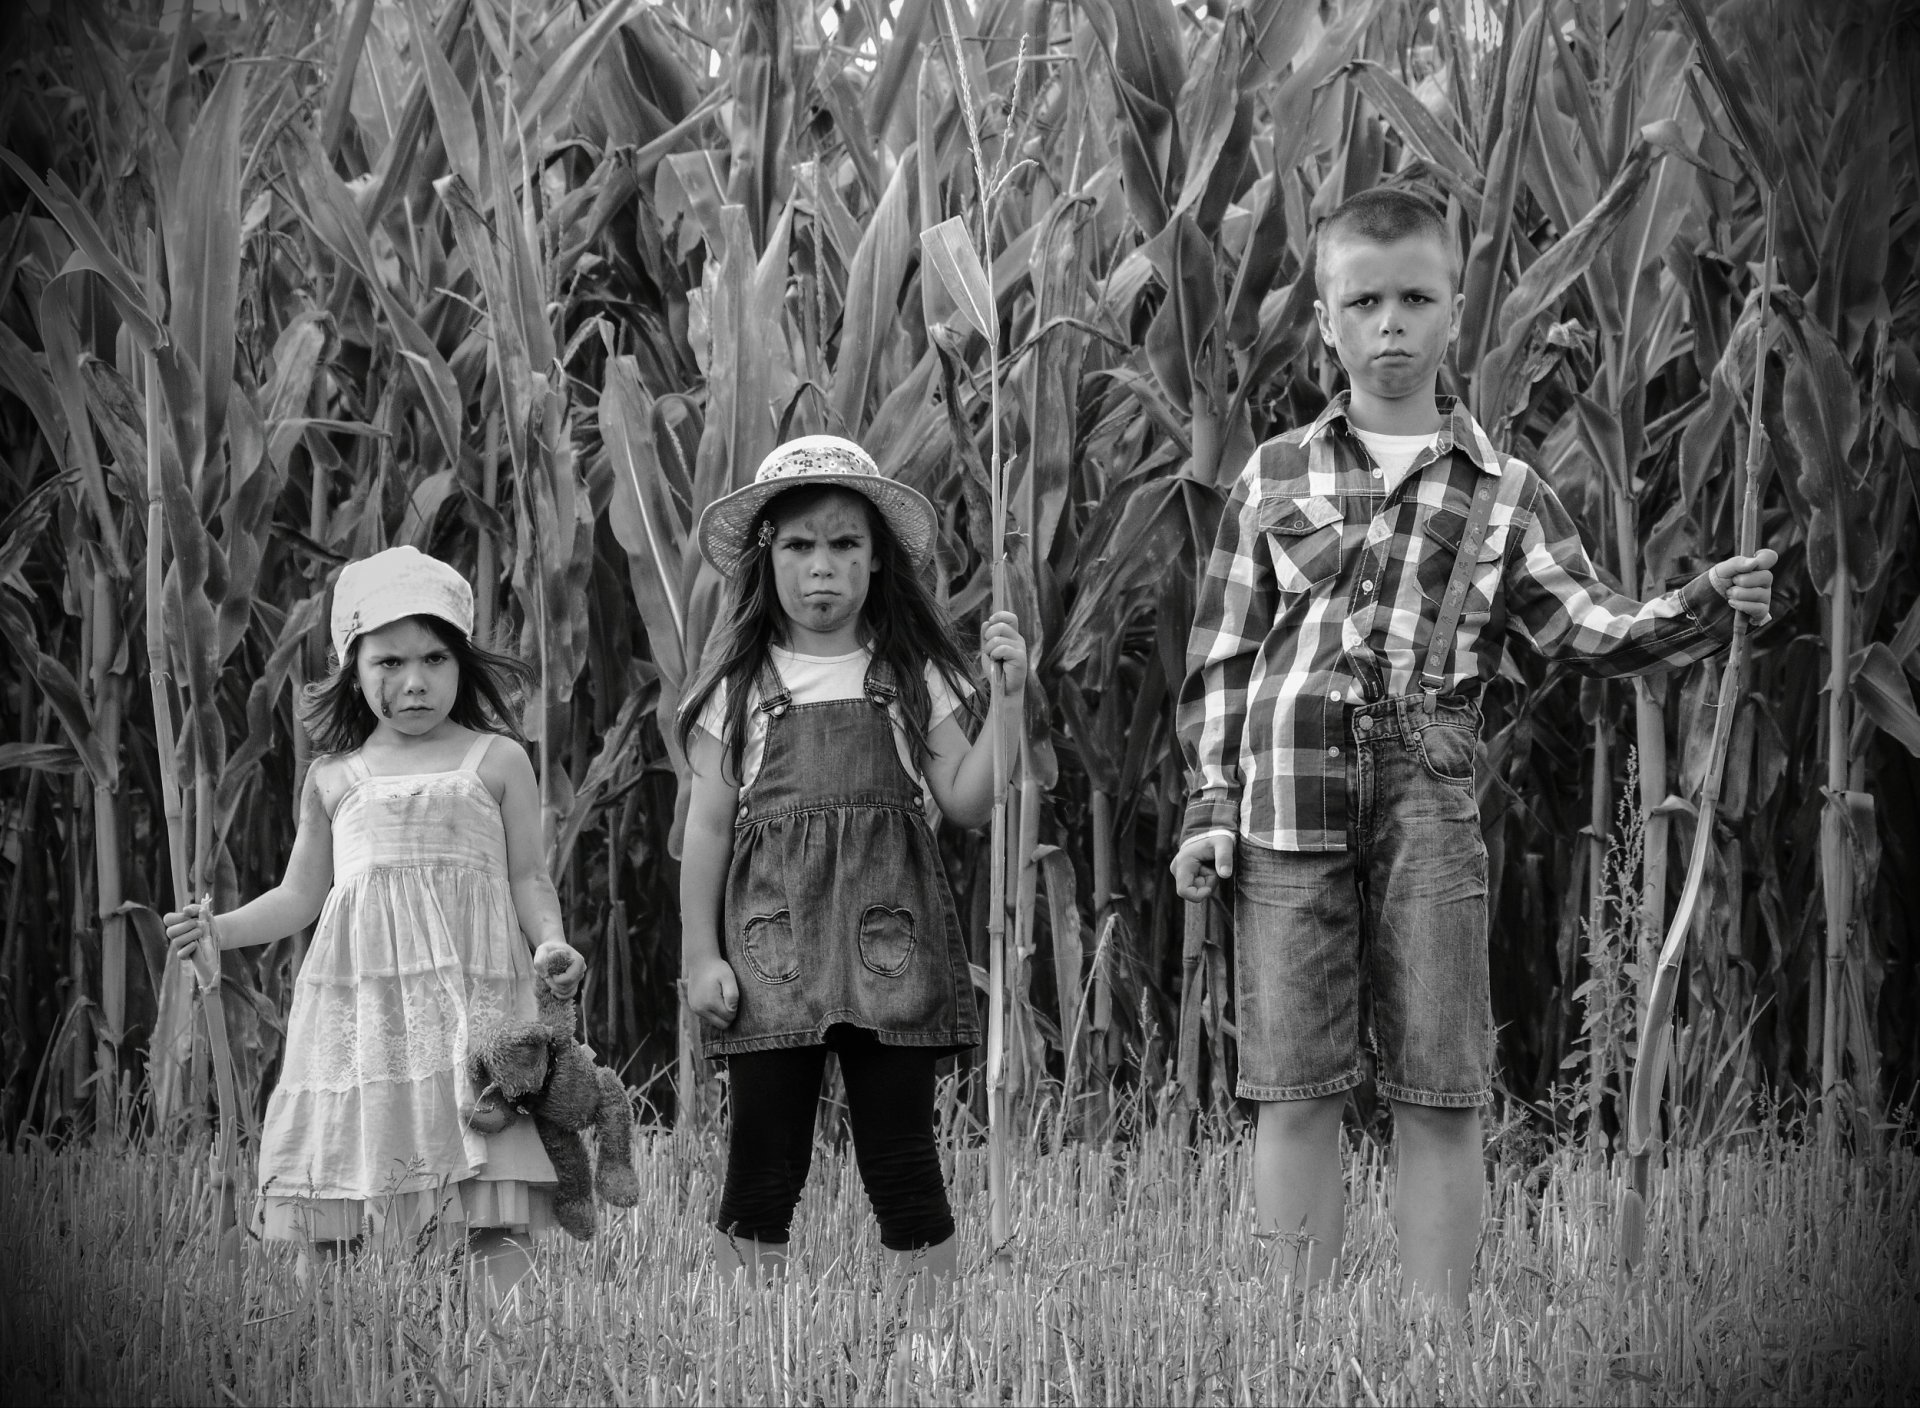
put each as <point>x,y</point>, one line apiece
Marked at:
<point>417,941</point>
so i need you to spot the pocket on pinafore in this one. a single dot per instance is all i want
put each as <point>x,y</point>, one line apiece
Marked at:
<point>1304,536</point>
<point>767,944</point>
<point>886,940</point>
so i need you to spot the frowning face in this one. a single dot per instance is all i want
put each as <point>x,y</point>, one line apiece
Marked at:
<point>1389,311</point>
<point>408,676</point>
<point>822,556</point>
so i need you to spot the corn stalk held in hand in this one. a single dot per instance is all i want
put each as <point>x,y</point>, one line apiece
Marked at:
<point>1656,1045</point>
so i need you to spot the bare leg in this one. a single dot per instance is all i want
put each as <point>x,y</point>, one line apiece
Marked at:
<point>500,1260</point>
<point>939,1262</point>
<point>1298,1190</point>
<point>926,1269</point>
<point>314,1259</point>
<point>732,1255</point>
<point>1439,1188</point>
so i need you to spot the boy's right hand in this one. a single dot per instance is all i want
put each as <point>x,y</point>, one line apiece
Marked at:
<point>1200,864</point>
<point>713,992</point>
<point>188,928</point>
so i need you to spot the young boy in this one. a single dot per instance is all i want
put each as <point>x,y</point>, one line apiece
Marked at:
<point>1329,722</point>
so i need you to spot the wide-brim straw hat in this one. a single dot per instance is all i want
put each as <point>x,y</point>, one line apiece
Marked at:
<point>728,526</point>
<point>391,586</point>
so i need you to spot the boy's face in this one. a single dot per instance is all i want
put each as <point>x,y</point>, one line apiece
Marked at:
<point>1389,311</point>
<point>822,564</point>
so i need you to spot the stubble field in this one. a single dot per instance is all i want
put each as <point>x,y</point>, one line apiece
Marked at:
<point>1776,1274</point>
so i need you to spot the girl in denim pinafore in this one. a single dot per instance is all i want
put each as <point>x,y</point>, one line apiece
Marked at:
<point>815,911</point>
<point>837,910</point>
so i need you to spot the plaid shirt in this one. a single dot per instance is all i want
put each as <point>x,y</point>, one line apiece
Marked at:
<point>1323,591</point>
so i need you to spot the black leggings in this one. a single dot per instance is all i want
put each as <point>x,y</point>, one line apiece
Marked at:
<point>772,1098</point>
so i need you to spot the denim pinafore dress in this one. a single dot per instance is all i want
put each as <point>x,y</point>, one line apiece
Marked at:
<point>837,907</point>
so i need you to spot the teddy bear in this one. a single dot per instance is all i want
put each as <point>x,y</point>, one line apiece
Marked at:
<point>536,1067</point>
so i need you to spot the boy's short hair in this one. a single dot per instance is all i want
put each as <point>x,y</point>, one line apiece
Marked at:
<point>1383,215</point>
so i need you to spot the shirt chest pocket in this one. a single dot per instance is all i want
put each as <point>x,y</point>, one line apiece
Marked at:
<point>1440,538</point>
<point>1304,536</point>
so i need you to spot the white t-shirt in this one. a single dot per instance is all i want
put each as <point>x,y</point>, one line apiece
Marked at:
<point>1394,454</point>
<point>821,679</point>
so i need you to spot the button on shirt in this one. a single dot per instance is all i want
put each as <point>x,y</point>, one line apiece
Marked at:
<point>1322,591</point>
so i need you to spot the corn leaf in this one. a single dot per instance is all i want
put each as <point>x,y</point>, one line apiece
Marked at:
<point>1487,256</point>
<point>896,62</point>
<point>1883,693</point>
<point>962,275</point>
<point>1439,148</point>
<point>202,220</point>
<point>335,218</point>
<point>1276,30</point>
<point>561,81</point>
<point>24,373</point>
<point>1053,370</point>
<point>1554,272</point>
<point>762,112</point>
<point>871,314</point>
<point>644,518</point>
<point>297,627</point>
<point>60,334</point>
<point>122,285</point>
<point>1734,93</point>
<point>40,757</point>
<point>1821,408</point>
<point>56,686</point>
<point>451,107</point>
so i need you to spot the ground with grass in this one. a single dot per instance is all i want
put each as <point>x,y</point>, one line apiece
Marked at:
<point>1776,1274</point>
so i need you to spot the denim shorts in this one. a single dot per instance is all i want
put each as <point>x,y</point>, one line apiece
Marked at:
<point>1383,943</point>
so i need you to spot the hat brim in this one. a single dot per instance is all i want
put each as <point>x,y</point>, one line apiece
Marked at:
<point>727,522</point>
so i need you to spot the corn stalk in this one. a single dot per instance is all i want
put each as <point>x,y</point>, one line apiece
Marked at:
<point>1655,1048</point>
<point>205,974</point>
<point>962,267</point>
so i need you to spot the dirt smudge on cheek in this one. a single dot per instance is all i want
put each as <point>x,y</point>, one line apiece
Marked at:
<point>386,699</point>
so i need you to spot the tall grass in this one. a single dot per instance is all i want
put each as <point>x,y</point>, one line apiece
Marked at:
<point>1774,1274</point>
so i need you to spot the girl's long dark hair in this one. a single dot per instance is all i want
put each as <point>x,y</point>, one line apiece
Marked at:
<point>338,718</point>
<point>905,627</point>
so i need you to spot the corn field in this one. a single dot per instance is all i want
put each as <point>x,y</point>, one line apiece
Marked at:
<point>526,285</point>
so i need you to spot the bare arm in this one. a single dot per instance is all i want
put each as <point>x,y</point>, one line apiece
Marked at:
<point>535,901</point>
<point>706,852</point>
<point>289,906</point>
<point>959,773</point>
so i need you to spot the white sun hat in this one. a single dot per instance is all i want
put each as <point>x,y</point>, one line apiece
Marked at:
<point>393,585</point>
<point>728,525</point>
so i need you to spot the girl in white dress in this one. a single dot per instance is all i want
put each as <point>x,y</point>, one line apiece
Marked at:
<point>419,851</point>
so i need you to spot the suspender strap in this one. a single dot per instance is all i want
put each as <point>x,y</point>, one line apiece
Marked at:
<point>881,687</point>
<point>774,694</point>
<point>1433,676</point>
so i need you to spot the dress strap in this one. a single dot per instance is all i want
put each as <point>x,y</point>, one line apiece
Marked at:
<point>357,768</point>
<point>471,763</point>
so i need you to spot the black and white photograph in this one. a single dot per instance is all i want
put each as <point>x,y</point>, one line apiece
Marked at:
<point>978,702</point>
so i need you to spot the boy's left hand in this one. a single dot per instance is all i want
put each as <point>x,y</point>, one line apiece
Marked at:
<point>1747,583</point>
<point>1002,644</point>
